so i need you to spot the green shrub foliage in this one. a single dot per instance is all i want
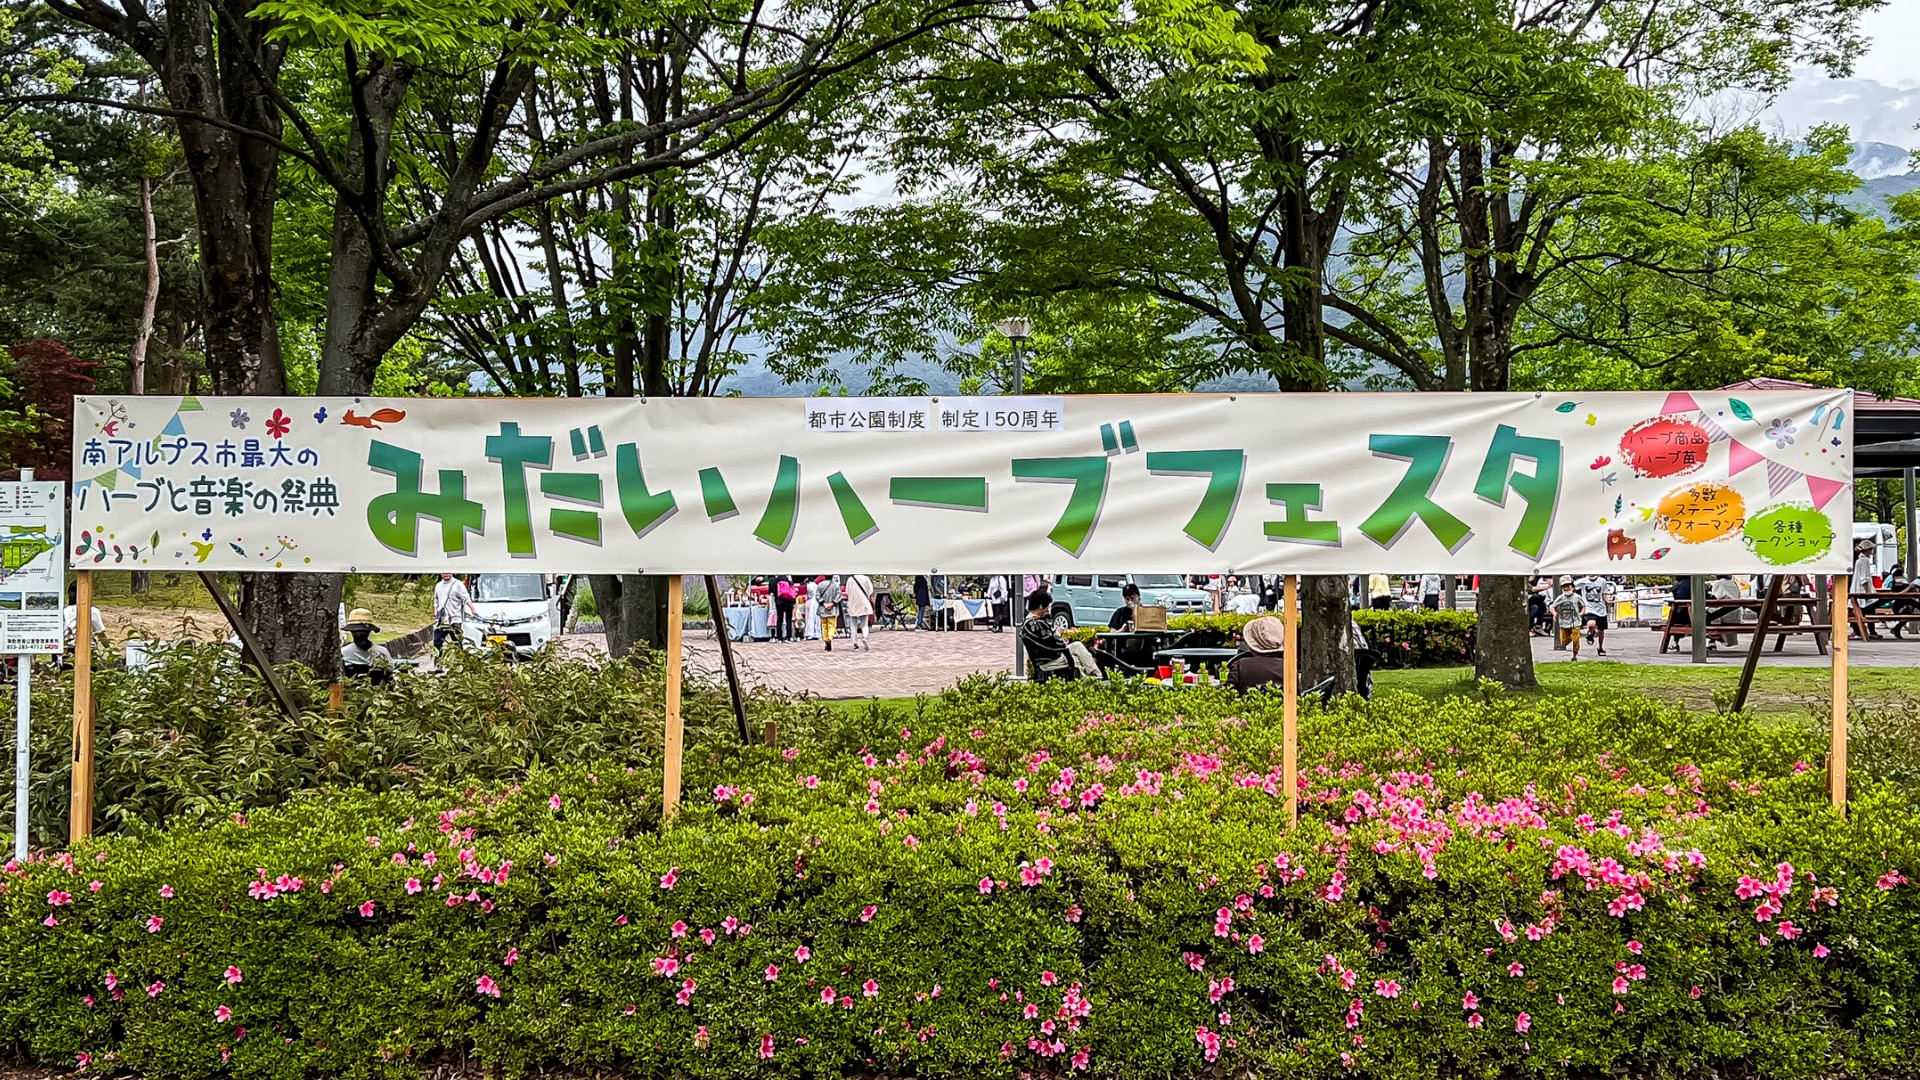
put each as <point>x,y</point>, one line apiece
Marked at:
<point>1404,639</point>
<point>1015,880</point>
<point>198,734</point>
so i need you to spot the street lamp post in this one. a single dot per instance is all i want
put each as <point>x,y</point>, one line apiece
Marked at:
<point>1017,331</point>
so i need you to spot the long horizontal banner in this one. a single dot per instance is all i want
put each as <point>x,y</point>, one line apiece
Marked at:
<point>1335,483</point>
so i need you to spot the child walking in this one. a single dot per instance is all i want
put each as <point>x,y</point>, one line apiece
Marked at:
<point>1568,609</point>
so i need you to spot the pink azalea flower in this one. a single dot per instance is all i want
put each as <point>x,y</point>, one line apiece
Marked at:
<point>1470,1002</point>
<point>512,957</point>
<point>802,954</point>
<point>773,973</point>
<point>1819,952</point>
<point>56,898</point>
<point>95,886</point>
<point>553,802</point>
<point>1633,947</point>
<point>766,1047</point>
<point>867,913</point>
<point>1522,1023</point>
<point>1693,992</point>
<point>671,878</point>
<point>486,987</point>
<point>986,886</point>
<point>666,966</point>
<point>870,988</point>
<point>154,922</point>
<point>1386,988</point>
<point>1031,1012</point>
<point>1256,944</point>
<point>1048,978</point>
<point>706,932</point>
<point>223,1014</point>
<point>413,886</point>
<point>1475,1020</point>
<point>155,989</point>
<point>1080,1058</point>
<point>828,994</point>
<point>1890,880</point>
<point>234,977</point>
<point>810,782</point>
<point>366,910</point>
<point>1620,984</point>
<point>1516,970</point>
<point>166,892</point>
<point>83,1059</point>
<point>49,921</point>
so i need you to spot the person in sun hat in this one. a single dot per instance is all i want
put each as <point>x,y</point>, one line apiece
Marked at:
<point>360,657</point>
<point>1261,660</point>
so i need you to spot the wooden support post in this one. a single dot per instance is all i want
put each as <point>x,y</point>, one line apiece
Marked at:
<point>1837,753</point>
<point>717,607</point>
<point>1290,700</point>
<point>249,645</point>
<point>1697,617</point>
<point>80,807</point>
<point>1759,638</point>
<point>676,734</point>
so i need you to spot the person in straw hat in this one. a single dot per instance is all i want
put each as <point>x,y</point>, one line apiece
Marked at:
<point>1262,642</point>
<point>360,657</point>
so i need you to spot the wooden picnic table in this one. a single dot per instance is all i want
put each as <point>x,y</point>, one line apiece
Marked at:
<point>1670,629</point>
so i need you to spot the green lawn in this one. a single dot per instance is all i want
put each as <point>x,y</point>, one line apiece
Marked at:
<point>1775,690</point>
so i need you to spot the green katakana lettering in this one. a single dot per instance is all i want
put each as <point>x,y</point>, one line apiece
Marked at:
<point>1541,491</point>
<point>394,519</point>
<point>1426,456</point>
<point>1223,470</point>
<point>1088,475</point>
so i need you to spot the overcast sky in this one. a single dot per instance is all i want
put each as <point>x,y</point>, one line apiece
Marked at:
<point>1894,29</point>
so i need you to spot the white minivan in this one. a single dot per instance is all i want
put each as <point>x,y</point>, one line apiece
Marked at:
<point>523,608</point>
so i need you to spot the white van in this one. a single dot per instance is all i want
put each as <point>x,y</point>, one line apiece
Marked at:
<point>1093,598</point>
<point>523,608</point>
<point>1886,545</point>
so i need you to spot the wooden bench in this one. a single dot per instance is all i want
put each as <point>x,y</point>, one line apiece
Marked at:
<point>1671,632</point>
<point>1862,619</point>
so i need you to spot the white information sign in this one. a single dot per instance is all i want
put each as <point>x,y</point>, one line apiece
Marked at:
<point>31,632</point>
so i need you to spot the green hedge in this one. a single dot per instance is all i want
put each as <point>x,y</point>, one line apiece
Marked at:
<point>1111,856</point>
<point>1404,639</point>
<point>198,732</point>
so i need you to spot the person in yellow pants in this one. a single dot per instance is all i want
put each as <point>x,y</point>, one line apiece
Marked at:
<point>827,593</point>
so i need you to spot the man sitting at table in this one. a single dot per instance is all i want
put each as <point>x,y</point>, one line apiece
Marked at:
<point>1122,620</point>
<point>1260,661</point>
<point>1044,644</point>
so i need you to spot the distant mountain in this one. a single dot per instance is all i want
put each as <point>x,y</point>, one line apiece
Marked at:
<point>1873,112</point>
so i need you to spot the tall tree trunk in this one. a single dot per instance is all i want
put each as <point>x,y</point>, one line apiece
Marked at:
<point>149,304</point>
<point>1503,640</point>
<point>633,609</point>
<point>1326,632</point>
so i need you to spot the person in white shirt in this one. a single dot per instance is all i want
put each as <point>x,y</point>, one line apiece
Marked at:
<point>999,609</point>
<point>70,618</point>
<point>1430,591</point>
<point>859,598</point>
<point>452,603</point>
<point>1244,603</point>
<point>1596,596</point>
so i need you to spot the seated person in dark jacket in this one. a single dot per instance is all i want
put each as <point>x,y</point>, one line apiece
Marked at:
<point>1262,642</point>
<point>1122,620</point>
<point>1044,643</point>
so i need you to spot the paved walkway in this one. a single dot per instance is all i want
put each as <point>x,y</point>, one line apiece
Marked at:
<point>904,663</point>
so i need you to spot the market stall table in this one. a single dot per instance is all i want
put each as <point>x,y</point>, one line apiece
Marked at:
<point>961,612</point>
<point>1133,646</point>
<point>739,621</point>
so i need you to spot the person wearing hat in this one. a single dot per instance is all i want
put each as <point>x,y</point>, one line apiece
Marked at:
<point>360,657</point>
<point>1261,660</point>
<point>1568,610</point>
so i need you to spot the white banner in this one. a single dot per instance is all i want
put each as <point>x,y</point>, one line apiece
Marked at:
<point>1322,483</point>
